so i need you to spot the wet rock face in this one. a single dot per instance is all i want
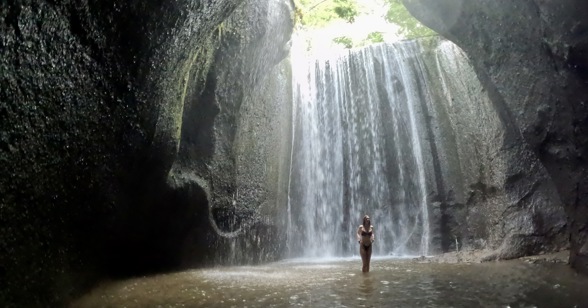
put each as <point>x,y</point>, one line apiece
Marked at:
<point>488,189</point>
<point>531,58</point>
<point>245,172</point>
<point>93,97</point>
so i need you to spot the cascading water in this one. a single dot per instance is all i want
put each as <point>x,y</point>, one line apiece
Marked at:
<point>357,150</point>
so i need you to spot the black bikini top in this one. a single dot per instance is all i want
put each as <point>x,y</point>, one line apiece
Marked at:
<point>363,233</point>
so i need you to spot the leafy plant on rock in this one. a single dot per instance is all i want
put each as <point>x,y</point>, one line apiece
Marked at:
<point>345,41</point>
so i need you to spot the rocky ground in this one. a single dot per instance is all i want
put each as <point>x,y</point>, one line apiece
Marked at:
<point>479,256</point>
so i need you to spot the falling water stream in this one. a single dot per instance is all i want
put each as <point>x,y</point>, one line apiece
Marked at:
<point>357,150</point>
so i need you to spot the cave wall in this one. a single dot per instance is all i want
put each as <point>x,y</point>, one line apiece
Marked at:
<point>246,98</point>
<point>531,58</point>
<point>95,98</point>
<point>487,189</point>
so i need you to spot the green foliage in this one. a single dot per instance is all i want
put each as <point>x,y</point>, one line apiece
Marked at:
<point>410,27</point>
<point>345,41</point>
<point>318,13</point>
<point>375,37</point>
<point>346,9</point>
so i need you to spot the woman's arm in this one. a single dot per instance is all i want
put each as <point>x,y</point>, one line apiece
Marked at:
<point>373,238</point>
<point>358,234</point>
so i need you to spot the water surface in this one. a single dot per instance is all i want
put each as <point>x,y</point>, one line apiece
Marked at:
<point>340,283</point>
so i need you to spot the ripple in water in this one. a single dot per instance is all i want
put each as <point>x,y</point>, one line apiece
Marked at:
<point>392,283</point>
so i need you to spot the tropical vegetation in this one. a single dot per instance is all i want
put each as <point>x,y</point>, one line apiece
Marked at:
<point>320,13</point>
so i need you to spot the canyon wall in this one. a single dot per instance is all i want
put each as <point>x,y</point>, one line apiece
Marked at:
<point>488,190</point>
<point>241,158</point>
<point>101,106</point>
<point>531,59</point>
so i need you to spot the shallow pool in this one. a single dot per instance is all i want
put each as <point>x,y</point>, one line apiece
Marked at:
<point>340,283</point>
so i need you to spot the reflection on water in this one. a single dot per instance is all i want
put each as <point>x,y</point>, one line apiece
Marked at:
<point>340,283</point>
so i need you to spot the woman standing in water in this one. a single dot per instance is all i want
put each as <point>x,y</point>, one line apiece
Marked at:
<point>365,237</point>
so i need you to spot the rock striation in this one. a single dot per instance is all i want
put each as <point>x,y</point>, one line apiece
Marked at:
<point>531,59</point>
<point>239,157</point>
<point>489,191</point>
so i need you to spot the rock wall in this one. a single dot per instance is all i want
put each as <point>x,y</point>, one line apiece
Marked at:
<point>488,190</point>
<point>247,100</point>
<point>100,103</point>
<point>531,58</point>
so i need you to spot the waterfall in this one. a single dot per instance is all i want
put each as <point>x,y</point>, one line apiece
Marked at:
<point>358,149</point>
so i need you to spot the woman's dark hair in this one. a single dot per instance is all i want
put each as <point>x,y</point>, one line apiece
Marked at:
<point>366,217</point>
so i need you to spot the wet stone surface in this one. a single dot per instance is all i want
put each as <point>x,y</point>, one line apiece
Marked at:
<point>340,283</point>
